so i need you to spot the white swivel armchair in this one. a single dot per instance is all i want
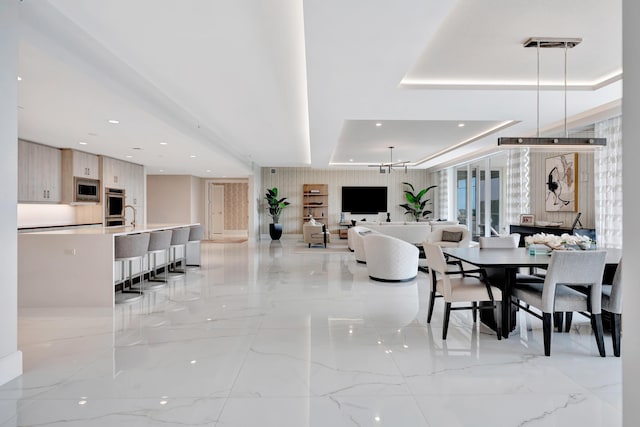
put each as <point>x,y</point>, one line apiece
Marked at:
<point>390,259</point>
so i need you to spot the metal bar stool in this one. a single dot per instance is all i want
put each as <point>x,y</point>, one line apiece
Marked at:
<point>196,234</point>
<point>159,242</point>
<point>179,239</point>
<point>129,248</point>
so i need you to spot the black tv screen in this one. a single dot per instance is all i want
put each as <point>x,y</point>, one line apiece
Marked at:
<point>364,200</point>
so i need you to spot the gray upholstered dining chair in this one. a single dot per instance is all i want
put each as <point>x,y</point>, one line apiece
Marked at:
<point>500,242</point>
<point>566,268</point>
<point>460,286</point>
<point>612,303</point>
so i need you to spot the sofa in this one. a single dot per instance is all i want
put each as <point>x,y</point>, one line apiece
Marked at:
<point>411,232</point>
<point>450,236</point>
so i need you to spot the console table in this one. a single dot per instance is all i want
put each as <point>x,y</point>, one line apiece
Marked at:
<point>530,230</point>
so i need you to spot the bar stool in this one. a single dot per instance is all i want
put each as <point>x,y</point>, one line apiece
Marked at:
<point>179,239</point>
<point>196,234</point>
<point>129,248</point>
<point>159,242</point>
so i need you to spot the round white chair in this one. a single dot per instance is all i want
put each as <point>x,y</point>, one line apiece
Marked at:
<point>390,259</point>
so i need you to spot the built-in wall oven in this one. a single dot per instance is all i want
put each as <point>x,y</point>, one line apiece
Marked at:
<point>114,207</point>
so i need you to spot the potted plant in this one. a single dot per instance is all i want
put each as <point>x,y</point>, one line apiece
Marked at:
<point>275,209</point>
<point>416,204</point>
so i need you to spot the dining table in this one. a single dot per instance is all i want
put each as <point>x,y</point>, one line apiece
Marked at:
<point>502,266</point>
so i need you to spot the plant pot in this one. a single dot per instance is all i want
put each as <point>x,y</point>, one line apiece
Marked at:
<point>275,231</point>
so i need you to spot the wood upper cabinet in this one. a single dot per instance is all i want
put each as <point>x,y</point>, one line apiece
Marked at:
<point>81,164</point>
<point>77,164</point>
<point>39,173</point>
<point>113,173</point>
<point>134,185</point>
<point>124,175</point>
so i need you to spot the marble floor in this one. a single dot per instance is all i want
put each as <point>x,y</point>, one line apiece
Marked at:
<point>270,334</point>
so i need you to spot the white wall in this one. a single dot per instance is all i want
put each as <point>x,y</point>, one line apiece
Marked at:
<point>631,212</point>
<point>10,357</point>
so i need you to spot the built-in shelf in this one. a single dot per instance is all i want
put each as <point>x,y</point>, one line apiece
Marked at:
<point>315,202</point>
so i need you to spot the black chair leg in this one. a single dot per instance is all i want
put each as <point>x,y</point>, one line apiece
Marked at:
<point>546,330</point>
<point>432,300</point>
<point>447,311</point>
<point>597,330</point>
<point>615,333</point>
<point>568,317</point>
<point>498,316</point>
<point>475,311</point>
<point>557,320</point>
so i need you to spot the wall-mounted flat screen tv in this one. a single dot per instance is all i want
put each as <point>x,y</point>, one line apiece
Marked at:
<point>364,200</point>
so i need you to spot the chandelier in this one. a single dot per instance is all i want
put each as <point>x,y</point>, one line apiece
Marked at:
<point>388,166</point>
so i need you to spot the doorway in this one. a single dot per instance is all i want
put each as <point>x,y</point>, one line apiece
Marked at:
<point>228,209</point>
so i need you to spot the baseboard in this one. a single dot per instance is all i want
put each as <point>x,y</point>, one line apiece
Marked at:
<point>10,367</point>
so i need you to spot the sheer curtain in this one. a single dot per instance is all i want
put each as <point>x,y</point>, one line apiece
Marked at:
<point>517,186</point>
<point>442,211</point>
<point>608,184</point>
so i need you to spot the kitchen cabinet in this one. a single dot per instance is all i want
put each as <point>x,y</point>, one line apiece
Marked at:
<point>81,164</point>
<point>39,173</point>
<point>77,164</point>
<point>113,172</point>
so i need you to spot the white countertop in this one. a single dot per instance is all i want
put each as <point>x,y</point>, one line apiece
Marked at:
<point>114,231</point>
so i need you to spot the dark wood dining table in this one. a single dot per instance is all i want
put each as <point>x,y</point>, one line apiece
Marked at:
<point>502,265</point>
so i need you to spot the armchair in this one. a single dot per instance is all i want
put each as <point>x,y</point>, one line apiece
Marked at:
<point>315,234</point>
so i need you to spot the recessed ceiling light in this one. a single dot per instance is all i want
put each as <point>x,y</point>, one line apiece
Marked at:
<point>208,170</point>
<point>193,156</point>
<point>161,170</point>
<point>137,148</point>
<point>114,122</point>
<point>351,160</point>
<point>92,134</point>
<point>19,78</point>
<point>163,143</point>
<point>460,125</point>
<point>378,124</point>
<point>82,143</point>
<point>129,157</point>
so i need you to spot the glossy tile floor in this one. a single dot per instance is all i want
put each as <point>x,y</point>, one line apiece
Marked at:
<point>274,334</point>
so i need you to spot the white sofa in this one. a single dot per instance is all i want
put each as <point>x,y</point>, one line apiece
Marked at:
<point>436,236</point>
<point>390,259</point>
<point>411,232</point>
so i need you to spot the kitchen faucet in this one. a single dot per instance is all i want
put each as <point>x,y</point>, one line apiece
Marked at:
<point>133,222</point>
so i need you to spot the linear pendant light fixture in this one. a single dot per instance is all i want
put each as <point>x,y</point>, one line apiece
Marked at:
<point>538,141</point>
<point>384,167</point>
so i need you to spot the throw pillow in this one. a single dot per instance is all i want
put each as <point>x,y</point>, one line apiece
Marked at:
<point>451,236</point>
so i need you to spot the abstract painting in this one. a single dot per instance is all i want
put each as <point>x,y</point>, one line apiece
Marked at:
<point>562,186</point>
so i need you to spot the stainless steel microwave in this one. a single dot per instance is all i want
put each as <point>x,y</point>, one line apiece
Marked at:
<point>87,190</point>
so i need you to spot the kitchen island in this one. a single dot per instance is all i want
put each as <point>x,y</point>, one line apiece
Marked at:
<point>72,267</point>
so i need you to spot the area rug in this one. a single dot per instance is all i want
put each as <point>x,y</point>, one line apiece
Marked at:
<point>318,249</point>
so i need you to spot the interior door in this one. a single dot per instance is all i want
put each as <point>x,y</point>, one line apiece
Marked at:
<point>216,209</point>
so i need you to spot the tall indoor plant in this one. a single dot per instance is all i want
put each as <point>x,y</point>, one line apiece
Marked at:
<point>275,208</point>
<point>416,204</point>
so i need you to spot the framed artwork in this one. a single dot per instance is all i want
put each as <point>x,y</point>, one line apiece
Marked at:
<point>527,219</point>
<point>561,174</point>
